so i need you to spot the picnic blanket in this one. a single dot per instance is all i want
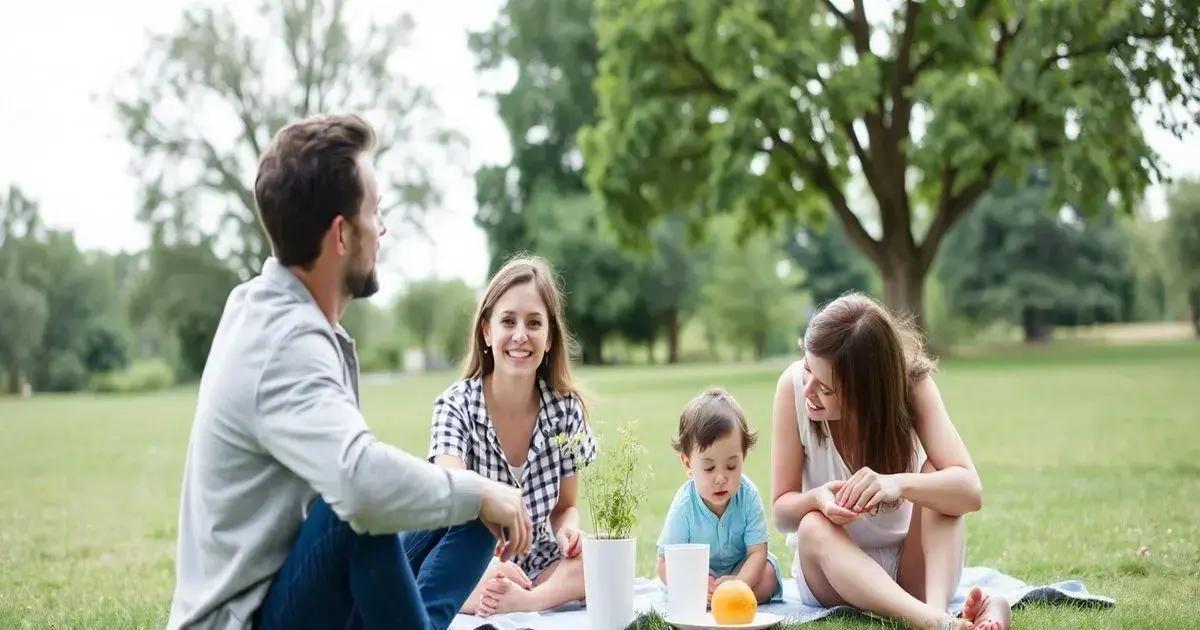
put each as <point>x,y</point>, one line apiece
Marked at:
<point>651,595</point>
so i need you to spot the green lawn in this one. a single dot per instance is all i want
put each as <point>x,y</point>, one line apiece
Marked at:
<point>1087,455</point>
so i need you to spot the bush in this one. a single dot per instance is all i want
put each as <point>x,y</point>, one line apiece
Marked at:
<point>142,376</point>
<point>65,373</point>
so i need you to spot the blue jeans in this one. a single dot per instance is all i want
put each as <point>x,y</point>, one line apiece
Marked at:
<point>336,578</point>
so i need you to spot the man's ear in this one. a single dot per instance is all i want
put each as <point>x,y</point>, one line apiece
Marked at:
<point>338,231</point>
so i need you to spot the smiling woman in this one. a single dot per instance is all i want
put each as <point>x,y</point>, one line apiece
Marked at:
<point>517,394</point>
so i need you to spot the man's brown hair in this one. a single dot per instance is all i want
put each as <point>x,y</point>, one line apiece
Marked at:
<point>307,177</point>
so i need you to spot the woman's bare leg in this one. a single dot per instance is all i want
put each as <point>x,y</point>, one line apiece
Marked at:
<point>931,561</point>
<point>931,558</point>
<point>838,571</point>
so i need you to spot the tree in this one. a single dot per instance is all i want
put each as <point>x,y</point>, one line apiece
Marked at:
<point>183,290</point>
<point>746,301</point>
<point>69,302</point>
<point>210,97</point>
<point>1183,240</point>
<point>830,264</point>
<point>458,313</point>
<point>437,315</point>
<point>22,323</point>
<point>638,294</point>
<point>769,109</point>
<point>1012,260</point>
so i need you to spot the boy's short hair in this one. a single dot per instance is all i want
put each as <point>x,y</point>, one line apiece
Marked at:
<point>709,417</point>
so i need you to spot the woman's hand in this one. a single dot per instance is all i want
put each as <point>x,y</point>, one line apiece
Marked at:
<point>866,489</point>
<point>827,499</point>
<point>569,541</point>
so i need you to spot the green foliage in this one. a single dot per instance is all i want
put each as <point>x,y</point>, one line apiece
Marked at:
<point>141,376</point>
<point>537,202</point>
<point>246,76</point>
<point>106,346</point>
<point>745,300</point>
<point>183,290</point>
<point>1013,260</point>
<point>614,485</point>
<point>66,312</point>
<point>770,109</point>
<point>437,317</point>
<point>22,324</point>
<point>1183,242</point>
<point>829,263</point>
<point>458,304</point>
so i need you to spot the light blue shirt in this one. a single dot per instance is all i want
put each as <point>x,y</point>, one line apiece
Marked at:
<point>690,521</point>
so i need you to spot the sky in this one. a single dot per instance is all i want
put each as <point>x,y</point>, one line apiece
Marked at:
<point>61,143</point>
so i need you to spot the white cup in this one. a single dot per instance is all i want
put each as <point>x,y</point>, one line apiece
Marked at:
<point>687,581</point>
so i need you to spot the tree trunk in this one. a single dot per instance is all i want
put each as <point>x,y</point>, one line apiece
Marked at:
<point>673,336</point>
<point>14,380</point>
<point>593,346</point>
<point>1194,309</point>
<point>904,291</point>
<point>1037,328</point>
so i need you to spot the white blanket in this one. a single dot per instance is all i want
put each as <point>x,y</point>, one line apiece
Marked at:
<point>651,595</point>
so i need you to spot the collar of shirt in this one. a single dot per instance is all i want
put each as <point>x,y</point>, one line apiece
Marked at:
<point>547,404</point>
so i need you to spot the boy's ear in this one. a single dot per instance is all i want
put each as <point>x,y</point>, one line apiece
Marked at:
<point>687,465</point>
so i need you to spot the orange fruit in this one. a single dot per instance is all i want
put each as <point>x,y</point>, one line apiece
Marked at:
<point>734,602</point>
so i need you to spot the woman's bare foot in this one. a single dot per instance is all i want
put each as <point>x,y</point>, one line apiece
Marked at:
<point>501,595</point>
<point>987,612</point>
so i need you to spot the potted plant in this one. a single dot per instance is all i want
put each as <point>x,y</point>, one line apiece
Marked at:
<point>613,487</point>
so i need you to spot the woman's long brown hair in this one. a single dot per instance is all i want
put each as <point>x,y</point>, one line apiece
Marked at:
<point>556,366</point>
<point>877,360</point>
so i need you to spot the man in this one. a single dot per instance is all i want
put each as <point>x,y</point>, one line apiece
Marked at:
<point>290,505</point>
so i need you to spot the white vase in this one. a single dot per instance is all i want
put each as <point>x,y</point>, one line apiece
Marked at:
<point>608,567</point>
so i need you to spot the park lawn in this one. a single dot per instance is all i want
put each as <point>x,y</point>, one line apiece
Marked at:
<point>1088,455</point>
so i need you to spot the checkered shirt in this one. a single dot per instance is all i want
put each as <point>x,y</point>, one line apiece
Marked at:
<point>463,428</point>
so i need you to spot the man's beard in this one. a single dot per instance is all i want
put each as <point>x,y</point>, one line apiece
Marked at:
<point>362,286</point>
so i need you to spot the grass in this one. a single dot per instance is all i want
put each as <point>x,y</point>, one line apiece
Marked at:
<point>1088,455</point>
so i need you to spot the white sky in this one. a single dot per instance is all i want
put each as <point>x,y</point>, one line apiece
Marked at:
<point>60,141</point>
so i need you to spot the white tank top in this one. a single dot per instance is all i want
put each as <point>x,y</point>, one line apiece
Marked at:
<point>823,463</point>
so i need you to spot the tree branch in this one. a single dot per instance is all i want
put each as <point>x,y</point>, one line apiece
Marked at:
<point>904,76</point>
<point>823,179</point>
<point>840,16</point>
<point>951,206</point>
<point>1100,47</point>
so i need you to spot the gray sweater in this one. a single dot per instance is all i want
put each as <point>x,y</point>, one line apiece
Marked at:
<point>277,424</point>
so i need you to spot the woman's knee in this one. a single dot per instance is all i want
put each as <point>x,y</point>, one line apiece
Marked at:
<point>815,526</point>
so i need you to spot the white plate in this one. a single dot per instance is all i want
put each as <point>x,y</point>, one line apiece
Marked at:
<point>706,622</point>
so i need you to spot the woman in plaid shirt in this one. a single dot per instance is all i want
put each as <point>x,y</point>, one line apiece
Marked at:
<point>516,395</point>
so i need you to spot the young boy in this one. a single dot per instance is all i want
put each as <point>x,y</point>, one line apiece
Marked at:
<point>718,506</point>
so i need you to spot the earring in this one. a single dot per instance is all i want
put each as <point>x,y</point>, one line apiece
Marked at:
<point>487,349</point>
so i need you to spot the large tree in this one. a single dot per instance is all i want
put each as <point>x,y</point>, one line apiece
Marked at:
<point>206,101</point>
<point>769,109</point>
<point>1183,241</point>
<point>1011,260</point>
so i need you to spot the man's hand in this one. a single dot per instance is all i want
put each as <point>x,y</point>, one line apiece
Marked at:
<point>503,513</point>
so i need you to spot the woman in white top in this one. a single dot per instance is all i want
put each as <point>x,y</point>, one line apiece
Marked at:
<point>516,395</point>
<point>861,436</point>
